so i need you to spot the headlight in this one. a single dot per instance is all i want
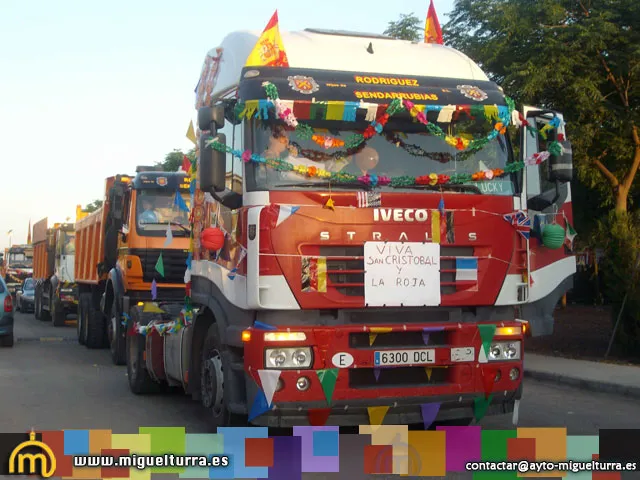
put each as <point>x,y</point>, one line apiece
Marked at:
<point>289,358</point>
<point>504,351</point>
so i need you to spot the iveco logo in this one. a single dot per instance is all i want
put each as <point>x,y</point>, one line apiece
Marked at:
<point>400,215</point>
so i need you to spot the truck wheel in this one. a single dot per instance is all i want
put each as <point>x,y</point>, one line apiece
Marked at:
<point>37,307</point>
<point>58,314</point>
<point>140,382</point>
<point>95,334</point>
<point>115,334</point>
<point>45,315</point>
<point>6,341</point>
<point>83,308</point>
<point>212,382</point>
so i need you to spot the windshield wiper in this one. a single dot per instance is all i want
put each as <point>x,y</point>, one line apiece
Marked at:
<point>454,187</point>
<point>325,184</point>
<point>170,223</point>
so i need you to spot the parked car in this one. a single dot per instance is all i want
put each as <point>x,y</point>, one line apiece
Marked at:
<point>6,316</point>
<point>25,296</point>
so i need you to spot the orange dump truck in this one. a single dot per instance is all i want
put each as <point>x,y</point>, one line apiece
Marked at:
<point>56,294</point>
<point>131,250</point>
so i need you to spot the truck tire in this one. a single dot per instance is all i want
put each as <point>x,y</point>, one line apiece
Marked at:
<point>37,301</point>
<point>212,383</point>
<point>58,314</point>
<point>45,315</point>
<point>83,309</point>
<point>140,382</point>
<point>115,335</point>
<point>95,334</point>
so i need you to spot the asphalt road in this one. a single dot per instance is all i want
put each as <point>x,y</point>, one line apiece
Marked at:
<point>49,382</point>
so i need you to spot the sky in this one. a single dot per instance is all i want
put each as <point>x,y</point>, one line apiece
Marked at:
<point>91,89</point>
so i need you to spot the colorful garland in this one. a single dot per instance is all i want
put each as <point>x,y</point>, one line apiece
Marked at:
<point>376,127</point>
<point>396,106</point>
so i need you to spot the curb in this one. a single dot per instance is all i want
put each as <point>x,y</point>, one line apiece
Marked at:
<point>46,340</point>
<point>585,384</point>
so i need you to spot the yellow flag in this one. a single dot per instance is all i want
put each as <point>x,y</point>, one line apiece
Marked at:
<point>269,50</point>
<point>150,307</point>
<point>191,133</point>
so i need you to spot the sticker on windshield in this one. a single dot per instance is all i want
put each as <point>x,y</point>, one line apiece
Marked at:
<point>474,93</point>
<point>302,84</point>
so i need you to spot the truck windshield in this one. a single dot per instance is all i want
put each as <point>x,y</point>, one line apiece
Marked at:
<point>158,208</point>
<point>404,149</point>
<point>19,260</point>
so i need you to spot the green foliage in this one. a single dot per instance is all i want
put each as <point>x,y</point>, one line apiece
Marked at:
<point>620,236</point>
<point>408,27</point>
<point>579,57</point>
<point>173,160</point>
<point>93,206</point>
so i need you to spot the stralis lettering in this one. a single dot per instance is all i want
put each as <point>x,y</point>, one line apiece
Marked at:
<point>399,215</point>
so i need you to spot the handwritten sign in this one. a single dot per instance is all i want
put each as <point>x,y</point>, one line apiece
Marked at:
<point>401,274</point>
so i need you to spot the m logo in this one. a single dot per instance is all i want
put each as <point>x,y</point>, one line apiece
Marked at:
<point>46,460</point>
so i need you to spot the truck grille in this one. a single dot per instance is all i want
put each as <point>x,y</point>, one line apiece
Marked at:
<point>174,262</point>
<point>345,268</point>
<point>398,377</point>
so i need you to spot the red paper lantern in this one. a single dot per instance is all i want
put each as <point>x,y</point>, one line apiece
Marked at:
<point>212,238</point>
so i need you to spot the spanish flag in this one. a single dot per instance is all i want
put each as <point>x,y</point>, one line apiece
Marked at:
<point>432,30</point>
<point>269,50</point>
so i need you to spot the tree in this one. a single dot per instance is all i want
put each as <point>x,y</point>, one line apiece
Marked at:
<point>408,27</point>
<point>577,56</point>
<point>173,160</point>
<point>93,206</point>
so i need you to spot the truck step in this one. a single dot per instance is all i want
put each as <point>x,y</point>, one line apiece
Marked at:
<point>238,408</point>
<point>237,366</point>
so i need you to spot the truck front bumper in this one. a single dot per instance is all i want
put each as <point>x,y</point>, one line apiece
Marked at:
<point>400,368</point>
<point>402,411</point>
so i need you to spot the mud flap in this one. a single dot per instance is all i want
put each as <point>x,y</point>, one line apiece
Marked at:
<point>539,314</point>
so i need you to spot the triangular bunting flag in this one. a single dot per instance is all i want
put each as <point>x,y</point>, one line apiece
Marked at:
<point>425,338</point>
<point>285,212</point>
<point>486,336</point>
<point>482,357</point>
<point>232,274</point>
<point>376,373</point>
<point>191,133</point>
<point>377,414</point>
<point>180,203</point>
<point>260,406</point>
<point>429,413</point>
<point>269,380</point>
<point>488,380</point>
<point>318,416</point>
<point>429,371</point>
<point>372,338</point>
<point>169,236</point>
<point>516,412</point>
<point>150,307</point>
<point>480,406</point>
<point>262,326</point>
<point>328,379</point>
<point>570,234</point>
<point>154,290</point>
<point>186,164</point>
<point>160,265</point>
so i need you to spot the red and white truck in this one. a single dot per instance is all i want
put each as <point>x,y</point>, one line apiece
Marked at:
<point>364,235</point>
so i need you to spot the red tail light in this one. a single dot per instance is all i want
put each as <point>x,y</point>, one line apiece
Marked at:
<point>8,304</point>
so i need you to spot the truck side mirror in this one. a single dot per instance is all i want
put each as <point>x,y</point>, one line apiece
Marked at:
<point>211,118</point>
<point>212,165</point>
<point>561,166</point>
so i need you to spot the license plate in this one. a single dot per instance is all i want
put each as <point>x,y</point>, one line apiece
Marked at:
<point>404,357</point>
